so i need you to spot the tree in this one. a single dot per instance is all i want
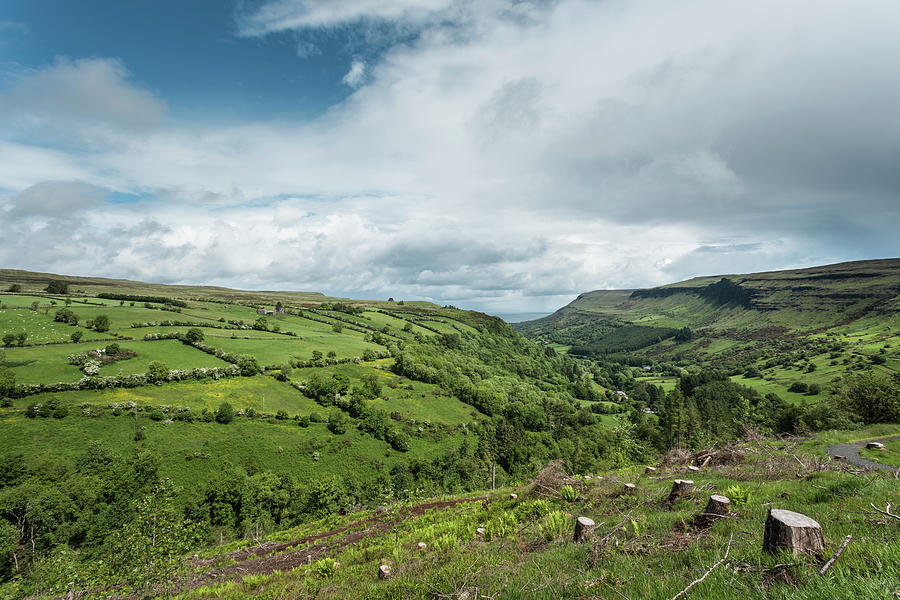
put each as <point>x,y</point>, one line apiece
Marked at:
<point>112,349</point>
<point>225,414</point>
<point>57,287</point>
<point>194,335</point>
<point>9,339</point>
<point>261,324</point>
<point>21,337</point>
<point>371,387</point>
<point>149,547</point>
<point>337,328</point>
<point>76,336</point>
<point>101,323</point>
<point>7,383</point>
<point>157,371</point>
<point>874,398</point>
<point>14,288</point>
<point>337,422</point>
<point>248,366</point>
<point>65,315</point>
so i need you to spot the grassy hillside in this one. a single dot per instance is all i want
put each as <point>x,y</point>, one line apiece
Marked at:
<point>811,325</point>
<point>646,545</point>
<point>142,423</point>
<point>262,410</point>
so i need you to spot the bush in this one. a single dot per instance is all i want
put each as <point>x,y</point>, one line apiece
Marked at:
<point>101,323</point>
<point>157,415</point>
<point>157,371</point>
<point>303,421</point>
<point>814,389</point>
<point>248,366</point>
<point>337,423</point>
<point>568,493</point>
<point>798,387</point>
<point>61,412</point>
<point>112,349</point>
<point>225,413</point>
<point>281,415</point>
<point>76,336</point>
<point>139,435</point>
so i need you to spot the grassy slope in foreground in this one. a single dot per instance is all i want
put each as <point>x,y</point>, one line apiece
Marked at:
<point>643,547</point>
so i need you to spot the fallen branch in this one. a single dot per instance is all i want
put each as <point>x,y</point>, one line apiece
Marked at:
<point>885,512</point>
<point>836,555</point>
<point>696,581</point>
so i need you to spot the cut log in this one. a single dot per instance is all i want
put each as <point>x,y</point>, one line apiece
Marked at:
<point>513,496</point>
<point>788,530</point>
<point>422,546</point>
<point>693,469</point>
<point>629,488</point>
<point>680,487</point>
<point>384,572</point>
<point>706,461</point>
<point>840,457</point>
<point>650,470</point>
<point>480,531</point>
<point>584,527</point>
<point>875,446</point>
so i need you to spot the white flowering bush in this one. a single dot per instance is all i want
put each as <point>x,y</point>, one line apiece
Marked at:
<point>91,368</point>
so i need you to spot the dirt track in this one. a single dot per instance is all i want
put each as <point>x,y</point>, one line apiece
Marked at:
<point>269,556</point>
<point>851,452</point>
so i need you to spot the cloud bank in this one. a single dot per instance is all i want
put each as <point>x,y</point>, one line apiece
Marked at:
<point>509,156</point>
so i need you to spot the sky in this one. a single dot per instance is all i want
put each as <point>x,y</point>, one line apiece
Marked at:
<point>498,155</point>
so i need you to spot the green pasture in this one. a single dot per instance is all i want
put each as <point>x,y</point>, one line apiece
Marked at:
<point>19,301</point>
<point>281,349</point>
<point>48,364</point>
<point>40,327</point>
<point>263,394</point>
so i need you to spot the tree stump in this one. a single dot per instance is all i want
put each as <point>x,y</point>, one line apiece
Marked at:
<point>584,527</point>
<point>422,546</point>
<point>793,531</point>
<point>384,572</point>
<point>513,496</point>
<point>717,506</point>
<point>681,487</point>
<point>629,488</point>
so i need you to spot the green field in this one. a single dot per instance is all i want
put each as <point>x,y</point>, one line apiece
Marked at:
<point>40,327</point>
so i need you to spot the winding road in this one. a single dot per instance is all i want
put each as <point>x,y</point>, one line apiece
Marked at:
<point>851,452</point>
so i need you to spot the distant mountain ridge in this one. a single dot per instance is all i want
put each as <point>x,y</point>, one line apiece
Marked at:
<point>797,303</point>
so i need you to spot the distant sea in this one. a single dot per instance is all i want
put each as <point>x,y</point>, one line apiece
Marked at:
<point>519,317</point>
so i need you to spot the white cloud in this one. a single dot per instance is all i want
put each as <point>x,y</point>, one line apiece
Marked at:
<point>80,93</point>
<point>306,14</point>
<point>512,155</point>
<point>356,75</point>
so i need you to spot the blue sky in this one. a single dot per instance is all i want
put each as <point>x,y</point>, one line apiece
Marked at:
<point>503,155</point>
<point>190,53</point>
